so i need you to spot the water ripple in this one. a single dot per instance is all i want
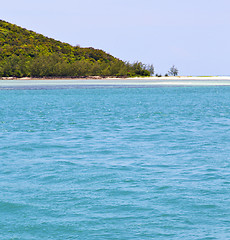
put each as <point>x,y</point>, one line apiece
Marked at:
<point>132,163</point>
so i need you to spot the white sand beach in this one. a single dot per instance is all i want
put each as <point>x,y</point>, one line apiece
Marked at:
<point>135,82</point>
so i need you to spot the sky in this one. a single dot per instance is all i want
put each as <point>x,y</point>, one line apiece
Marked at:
<point>192,35</point>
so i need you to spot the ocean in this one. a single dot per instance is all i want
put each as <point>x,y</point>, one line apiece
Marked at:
<point>115,163</point>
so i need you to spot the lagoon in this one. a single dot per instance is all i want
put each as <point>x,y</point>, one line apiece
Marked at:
<point>111,162</point>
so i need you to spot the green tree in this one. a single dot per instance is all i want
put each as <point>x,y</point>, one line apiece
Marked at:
<point>173,71</point>
<point>150,68</point>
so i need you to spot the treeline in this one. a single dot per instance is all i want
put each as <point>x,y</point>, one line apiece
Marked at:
<point>24,53</point>
<point>55,66</point>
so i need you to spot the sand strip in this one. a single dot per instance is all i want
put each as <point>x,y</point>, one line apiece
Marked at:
<point>125,82</point>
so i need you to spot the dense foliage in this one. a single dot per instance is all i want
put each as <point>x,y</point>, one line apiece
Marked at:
<point>24,53</point>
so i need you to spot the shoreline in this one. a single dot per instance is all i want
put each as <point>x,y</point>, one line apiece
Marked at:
<point>121,78</point>
<point>98,82</point>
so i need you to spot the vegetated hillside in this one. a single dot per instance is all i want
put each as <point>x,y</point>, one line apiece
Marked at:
<point>24,53</point>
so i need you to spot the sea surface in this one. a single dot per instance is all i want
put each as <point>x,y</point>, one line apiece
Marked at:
<point>115,163</point>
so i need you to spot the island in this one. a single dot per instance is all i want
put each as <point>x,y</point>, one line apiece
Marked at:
<point>27,54</point>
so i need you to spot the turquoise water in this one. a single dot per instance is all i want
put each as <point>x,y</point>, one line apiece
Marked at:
<point>115,163</point>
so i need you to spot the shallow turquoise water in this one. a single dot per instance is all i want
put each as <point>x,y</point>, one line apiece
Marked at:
<point>118,163</point>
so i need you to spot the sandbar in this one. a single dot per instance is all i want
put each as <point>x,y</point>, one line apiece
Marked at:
<point>30,83</point>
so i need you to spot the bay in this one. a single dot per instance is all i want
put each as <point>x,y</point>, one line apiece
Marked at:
<point>115,163</point>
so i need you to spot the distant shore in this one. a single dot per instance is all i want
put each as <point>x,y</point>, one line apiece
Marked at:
<point>51,78</point>
<point>90,82</point>
<point>123,78</point>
